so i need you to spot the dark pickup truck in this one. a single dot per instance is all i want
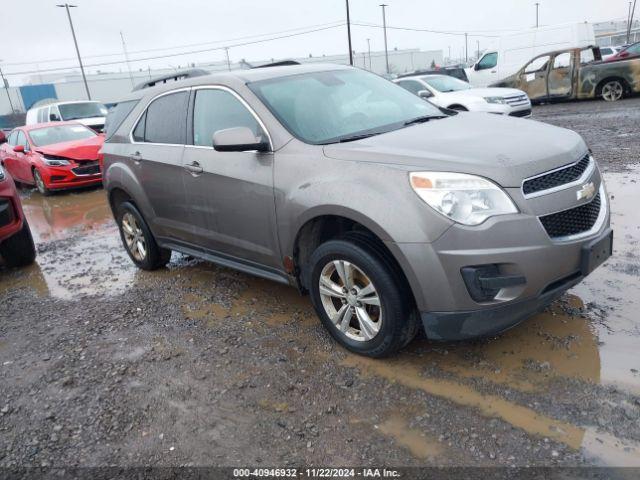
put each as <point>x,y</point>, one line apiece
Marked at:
<point>577,73</point>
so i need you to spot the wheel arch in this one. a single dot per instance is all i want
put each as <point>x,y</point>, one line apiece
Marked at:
<point>603,82</point>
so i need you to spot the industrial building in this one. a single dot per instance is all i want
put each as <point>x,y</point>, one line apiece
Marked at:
<point>109,87</point>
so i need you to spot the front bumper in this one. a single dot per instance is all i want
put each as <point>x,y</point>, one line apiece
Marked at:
<point>522,111</point>
<point>518,247</point>
<point>10,211</point>
<point>57,178</point>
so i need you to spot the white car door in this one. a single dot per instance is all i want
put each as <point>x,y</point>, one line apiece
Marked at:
<point>485,71</point>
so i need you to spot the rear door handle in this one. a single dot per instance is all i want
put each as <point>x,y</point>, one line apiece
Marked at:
<point>136,157</point>
<point>193,167</point>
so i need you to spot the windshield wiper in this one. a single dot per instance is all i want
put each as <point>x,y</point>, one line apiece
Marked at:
<point>353,138</point>
<point>424,119</point>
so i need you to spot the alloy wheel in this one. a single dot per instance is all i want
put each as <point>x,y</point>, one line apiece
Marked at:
<point>134,237</point>
<point>350,300</point>
<point>612,91</point>
<point>42,188</point>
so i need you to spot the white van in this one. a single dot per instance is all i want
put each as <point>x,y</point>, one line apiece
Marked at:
<point>91,114</point>
<point>511,52</point>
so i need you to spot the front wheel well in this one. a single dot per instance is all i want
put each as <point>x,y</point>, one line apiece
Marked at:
<point>458,107</point>
<point>329,227</point>
<point>116,197</point>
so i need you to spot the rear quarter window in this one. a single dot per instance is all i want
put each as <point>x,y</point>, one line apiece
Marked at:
<point>166,120</point>
<point>116,116</point>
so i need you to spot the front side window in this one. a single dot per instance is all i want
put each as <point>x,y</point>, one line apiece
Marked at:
<point>22,140</point>
<point>490,60</point>
<point>75,111</point>
<point>333,106</point>
<point>538,65</point>
<point>444,83</point>
<point>217,109</point>
<point>41,137</point>
<point>164,120</point>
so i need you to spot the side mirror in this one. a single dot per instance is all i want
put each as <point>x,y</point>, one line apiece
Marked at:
<point>425,94</point>
<point>476,67</point>
<point>18,149</point>
<point>53,117</point>
<point>238,139</point>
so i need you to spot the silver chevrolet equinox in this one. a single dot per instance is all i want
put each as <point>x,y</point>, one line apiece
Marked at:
<point>390,212</point>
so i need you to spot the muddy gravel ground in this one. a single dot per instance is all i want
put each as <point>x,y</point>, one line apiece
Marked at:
<point>102,364</point>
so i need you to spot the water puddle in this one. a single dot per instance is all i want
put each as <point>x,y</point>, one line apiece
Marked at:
<point>420,446</point>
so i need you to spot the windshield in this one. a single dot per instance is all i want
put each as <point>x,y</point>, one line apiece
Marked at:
<point>332,106</point>
<point>74,111</point>
<point>41,137</point>
<point>444,83</point>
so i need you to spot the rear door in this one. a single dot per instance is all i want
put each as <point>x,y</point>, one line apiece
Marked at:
<point>23,160</point>
<point>156,158</point>
<point>7,155</point>
<point>561,76</point>
<point>230,194</point>
<point>533,78</point>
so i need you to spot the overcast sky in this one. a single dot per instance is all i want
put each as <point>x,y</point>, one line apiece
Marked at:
<point>35,30</point>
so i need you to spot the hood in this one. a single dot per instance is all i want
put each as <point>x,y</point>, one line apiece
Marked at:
<point>501,148</point>
<point>77,150</point>
<point>491,92</point>
<point>90,122</point>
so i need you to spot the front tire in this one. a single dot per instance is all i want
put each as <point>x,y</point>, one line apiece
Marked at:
<point>360,298</point>
<point>40,185</point>
<point>138,240</point>
<point>19,250</point>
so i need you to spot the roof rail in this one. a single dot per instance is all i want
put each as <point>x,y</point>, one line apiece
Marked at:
<point>176,76</point>
<point>283,63</point>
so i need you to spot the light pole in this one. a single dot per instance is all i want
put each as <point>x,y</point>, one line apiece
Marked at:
<point>478,52</point>
<point>384,27</point>
<point>369,49</point>
<point>349,35</point>
<point>6,89</point>
<point>126,57</point>
<point>631,14</point>
<point>466,48</point>
<point>537,14</point>
<point>75,42</point>
<point>226,49</point>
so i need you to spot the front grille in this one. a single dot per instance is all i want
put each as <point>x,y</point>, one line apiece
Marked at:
<point>87,168</point>
<point>521,113</point>
<point>573,221</point>
<point>517,100</point>
<point>556,178</point>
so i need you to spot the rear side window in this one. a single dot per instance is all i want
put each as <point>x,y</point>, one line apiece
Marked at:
<point>164,121</point>
<point>13,138</point>
<point>22,140</point>
<point>218,110</point>
<point>116,116</point>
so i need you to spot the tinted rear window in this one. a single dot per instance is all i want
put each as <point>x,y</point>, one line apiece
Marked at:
<point>166,119</point>
<point>117,115</point>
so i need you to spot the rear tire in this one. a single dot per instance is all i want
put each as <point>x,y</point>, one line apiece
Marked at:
<point>613,90</point>
<point>19,250</point>
<point>389,321</point>
<point>137,239</point>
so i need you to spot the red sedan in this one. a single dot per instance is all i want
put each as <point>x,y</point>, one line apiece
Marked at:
<point>16,243</point>
<point>53,156</point>
<point>631,51</point>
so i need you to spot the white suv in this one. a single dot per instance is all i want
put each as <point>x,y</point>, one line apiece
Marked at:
<point>90,114</point>
<point>449,92</point>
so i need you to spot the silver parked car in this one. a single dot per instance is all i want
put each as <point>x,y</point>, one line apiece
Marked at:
<point>391,213</point>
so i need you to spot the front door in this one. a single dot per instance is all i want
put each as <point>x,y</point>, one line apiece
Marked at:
<point>485,71</point>
<point>230,194</point>
<point>561,76</point>
<point>533,78</point>
<point>22,166</point>
<point>155,157</point>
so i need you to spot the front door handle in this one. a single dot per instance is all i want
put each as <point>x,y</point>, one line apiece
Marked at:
<point>193,167</point>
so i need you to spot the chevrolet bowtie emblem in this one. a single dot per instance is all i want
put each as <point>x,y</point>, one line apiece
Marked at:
<point>587,191</point>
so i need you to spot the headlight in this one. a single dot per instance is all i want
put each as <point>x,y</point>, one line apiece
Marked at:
<point>465,199</point>
<point>1,173</point>
<point>499,100</point>
<point>55,161</point>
